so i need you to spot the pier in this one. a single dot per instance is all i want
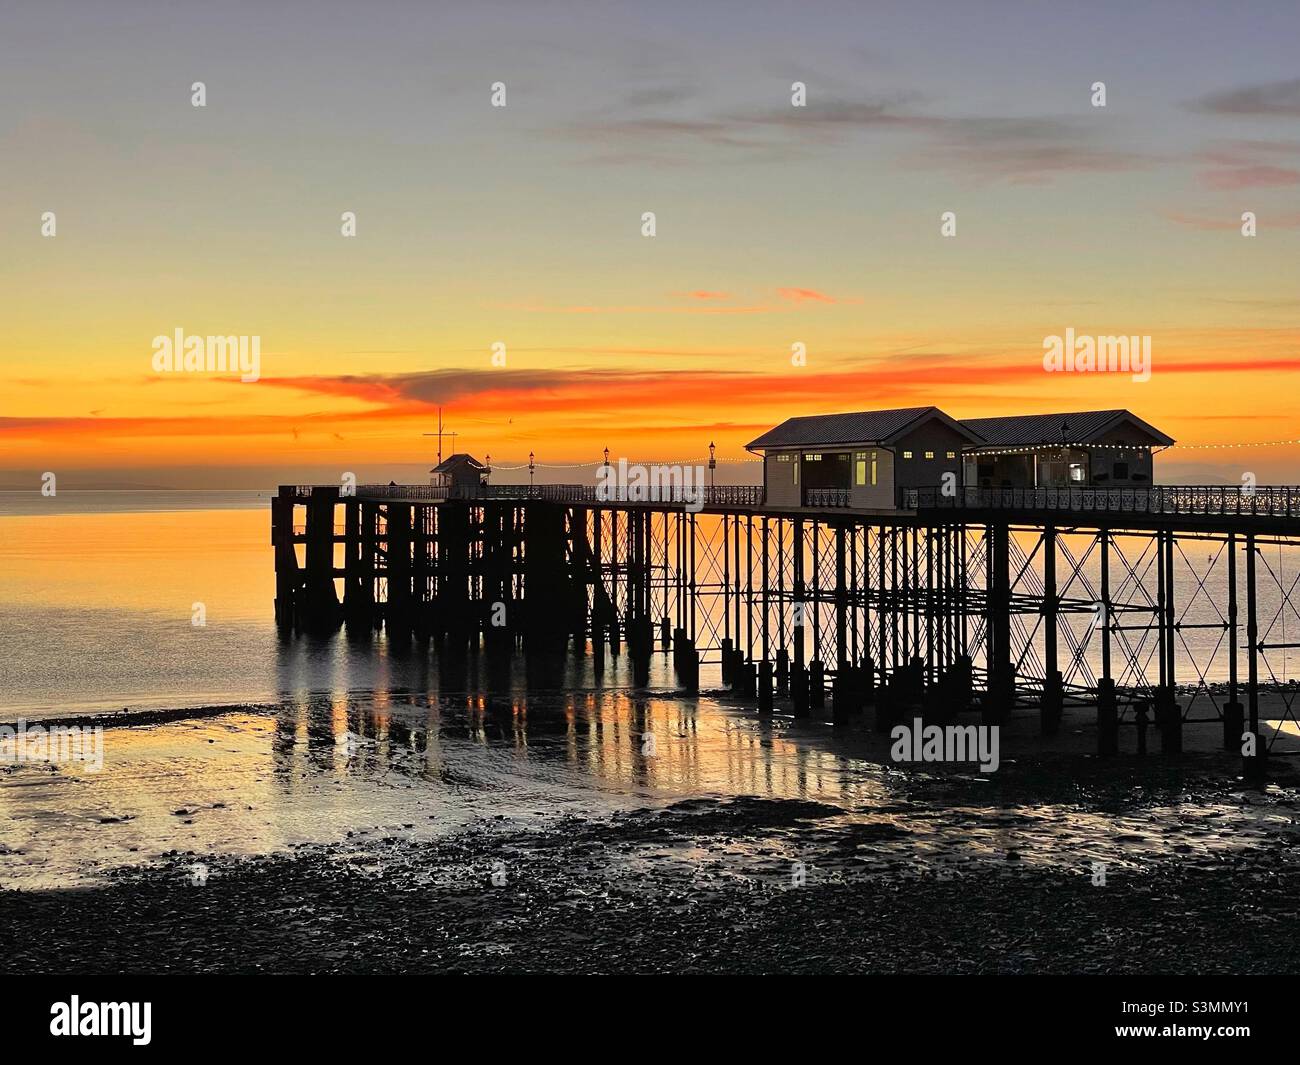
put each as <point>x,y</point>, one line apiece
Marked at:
<point>1145,607</point>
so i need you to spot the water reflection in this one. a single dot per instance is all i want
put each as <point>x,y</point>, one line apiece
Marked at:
<point>624,742</point>
<point>107,592</point>
<point>332,764</point>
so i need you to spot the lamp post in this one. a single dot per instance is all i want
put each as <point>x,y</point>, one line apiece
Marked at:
<point>1065,450</point>
<point>713,463</point>
<point>530,470</point>
<point>487,476</point>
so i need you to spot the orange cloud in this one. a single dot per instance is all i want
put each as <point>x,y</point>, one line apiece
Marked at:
<point>573,412</point>
<point>804,295</point>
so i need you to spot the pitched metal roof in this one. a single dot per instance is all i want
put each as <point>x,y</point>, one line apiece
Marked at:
<point>1074,427</point>
<point>458,459</point>
<point>862,427</point>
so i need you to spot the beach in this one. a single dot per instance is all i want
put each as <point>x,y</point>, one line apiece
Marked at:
<point>357,803</point>
<point>488,845</point>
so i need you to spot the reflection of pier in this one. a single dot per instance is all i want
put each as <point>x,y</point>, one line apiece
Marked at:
<point>1128,601</point>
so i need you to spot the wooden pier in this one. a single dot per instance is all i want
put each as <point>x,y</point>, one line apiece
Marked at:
<point>981,601</point>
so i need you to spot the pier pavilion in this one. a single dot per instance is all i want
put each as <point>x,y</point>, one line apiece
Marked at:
<point>860,460</point>
<point>868,460</point>
<point>1096,447</point>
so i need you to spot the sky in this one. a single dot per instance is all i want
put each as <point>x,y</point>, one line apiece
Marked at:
<point>522,226</point>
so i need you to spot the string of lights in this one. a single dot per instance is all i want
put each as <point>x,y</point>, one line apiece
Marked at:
<point>1029,449</point>
<point>593,465</point>
<point>983,451</point>
<point>1221,447</point>
<point>1132,447</point>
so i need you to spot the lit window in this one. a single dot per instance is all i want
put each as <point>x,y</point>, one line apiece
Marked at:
<point>907,454</point>
<point>929,454</point>
<point>873,467</point>
<point>860,471</point>
<point>950,454</point>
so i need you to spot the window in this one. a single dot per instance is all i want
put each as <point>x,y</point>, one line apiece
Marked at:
<point>873,467</point>
<point>950,454</point>
<point>783,458</point>
<point>907,454</point>
<point>929,454</point>
<point>860,471</point>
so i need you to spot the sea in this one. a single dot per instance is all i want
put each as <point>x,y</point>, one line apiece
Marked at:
<point>324,739</point>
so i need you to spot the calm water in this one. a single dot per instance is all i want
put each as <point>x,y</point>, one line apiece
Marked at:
<point>97,591</point>
<point>361,739</point>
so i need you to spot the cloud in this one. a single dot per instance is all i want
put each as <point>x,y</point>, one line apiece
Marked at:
<point>1250,177</point>
<point>657,96</point>
<point>927,375</point>
<point>1026,148</point>
<point>1249,164</point>
<point>1243,152</point>
<point>752,129</point>
<point>576,408</point>
<point>642,308</point>
<point>805,295</point>
<point>1274,98</point>
<point>702,301</point>
<point>1029,149</point>
<point>435,387</point>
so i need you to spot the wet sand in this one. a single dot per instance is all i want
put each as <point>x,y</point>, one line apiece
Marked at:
<point>467,834</point>
<point>663,891</point>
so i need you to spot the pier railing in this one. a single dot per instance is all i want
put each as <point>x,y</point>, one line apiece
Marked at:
<point>826,497</point>
<point>722,495</point>
<point>1273,501</point>
<point>1215,499</point>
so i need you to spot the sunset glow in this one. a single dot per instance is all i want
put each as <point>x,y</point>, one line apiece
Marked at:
<point>776,226</point>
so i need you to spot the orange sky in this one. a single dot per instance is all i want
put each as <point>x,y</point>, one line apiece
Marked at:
<point>664,404</point>
<point>522,225</point>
